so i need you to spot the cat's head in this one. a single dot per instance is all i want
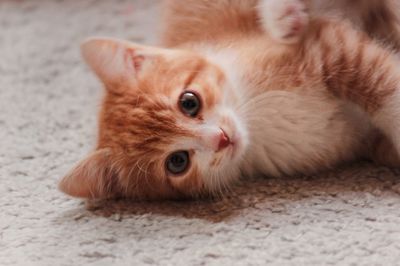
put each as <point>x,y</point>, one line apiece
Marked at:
<point>167,126</point>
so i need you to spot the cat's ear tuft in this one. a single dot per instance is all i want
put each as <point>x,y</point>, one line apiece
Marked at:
<point>116,60</point>
<point>95,177</point>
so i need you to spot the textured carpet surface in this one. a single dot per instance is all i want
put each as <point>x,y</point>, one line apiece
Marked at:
<point>48,105</point>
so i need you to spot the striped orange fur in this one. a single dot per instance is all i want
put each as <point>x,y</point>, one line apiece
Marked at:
<point>268,105</point>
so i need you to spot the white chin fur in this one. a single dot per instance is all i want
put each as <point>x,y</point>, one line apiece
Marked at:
<point>219,170</point>
<point>219,178</point>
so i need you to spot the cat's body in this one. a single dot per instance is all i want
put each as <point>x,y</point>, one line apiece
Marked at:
<point>293,123</point>
<point>380,19</point>
<point>263,107</point>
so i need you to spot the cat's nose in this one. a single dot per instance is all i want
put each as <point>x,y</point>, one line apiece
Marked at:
<point>224,141</point>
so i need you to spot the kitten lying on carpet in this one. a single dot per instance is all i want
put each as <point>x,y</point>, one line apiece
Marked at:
<point>244,88</point>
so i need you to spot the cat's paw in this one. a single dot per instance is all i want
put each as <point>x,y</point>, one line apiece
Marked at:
<point>285,20</point>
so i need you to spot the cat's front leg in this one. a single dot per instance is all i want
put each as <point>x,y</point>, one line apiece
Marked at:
<point>284,20</point>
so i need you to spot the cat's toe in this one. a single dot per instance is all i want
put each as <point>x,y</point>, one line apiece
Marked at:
<point>285,20</point>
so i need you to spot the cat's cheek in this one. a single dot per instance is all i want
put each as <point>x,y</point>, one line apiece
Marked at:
<point>189,184</point>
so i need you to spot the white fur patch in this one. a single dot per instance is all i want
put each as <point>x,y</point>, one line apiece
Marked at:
<point>293,133</point>
<point>284,20</point>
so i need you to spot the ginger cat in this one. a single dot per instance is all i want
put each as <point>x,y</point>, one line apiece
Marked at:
<point>231,97</point>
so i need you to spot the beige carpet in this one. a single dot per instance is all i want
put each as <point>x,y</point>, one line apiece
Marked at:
<point>48,103</point>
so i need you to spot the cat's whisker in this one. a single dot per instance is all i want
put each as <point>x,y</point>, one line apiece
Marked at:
<point>287,108</point>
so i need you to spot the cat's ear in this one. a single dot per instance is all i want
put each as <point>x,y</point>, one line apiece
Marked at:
<point>116,60</point>
<point>94,177</point>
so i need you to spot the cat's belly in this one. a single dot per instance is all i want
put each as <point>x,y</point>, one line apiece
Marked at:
<point>294,133</point>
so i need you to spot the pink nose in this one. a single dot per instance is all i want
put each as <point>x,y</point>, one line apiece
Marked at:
<point>224,141</point>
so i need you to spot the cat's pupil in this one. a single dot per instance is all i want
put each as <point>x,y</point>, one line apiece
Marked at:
<point>178,162</point>
<point>190,104</point>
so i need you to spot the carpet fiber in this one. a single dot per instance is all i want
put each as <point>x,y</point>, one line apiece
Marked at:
<point>48,105</point>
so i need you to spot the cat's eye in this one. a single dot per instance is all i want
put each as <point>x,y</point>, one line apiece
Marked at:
<point>178,162</point>
<point>190,104</point>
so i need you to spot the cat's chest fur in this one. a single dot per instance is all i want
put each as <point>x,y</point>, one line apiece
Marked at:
<point>290,130</point>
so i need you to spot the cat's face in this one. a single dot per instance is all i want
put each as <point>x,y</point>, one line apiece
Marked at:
<point>168,128</point>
